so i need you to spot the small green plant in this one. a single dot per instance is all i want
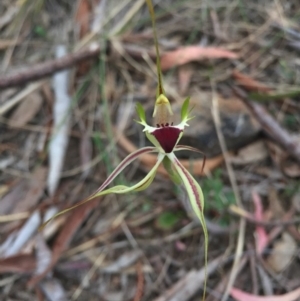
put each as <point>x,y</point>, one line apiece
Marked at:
<point>40,31</point>
<point>217,196</point>
<point>168,220</point>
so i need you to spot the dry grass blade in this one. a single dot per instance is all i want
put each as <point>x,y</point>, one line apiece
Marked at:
<point>64,238</point>
<point>188,286</point>
<point>242,296</point>
<point>271,126</point>
<point>242,225</point>
<point>89,275</point>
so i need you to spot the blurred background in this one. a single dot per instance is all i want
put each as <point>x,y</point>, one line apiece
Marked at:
<point>71,73</point>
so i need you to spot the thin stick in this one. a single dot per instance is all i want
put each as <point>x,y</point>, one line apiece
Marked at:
<point>48,68</point>
<point>140,282</point>
<point>270,125</point>
<point>98,262</point>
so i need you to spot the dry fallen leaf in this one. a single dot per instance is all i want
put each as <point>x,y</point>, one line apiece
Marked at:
<point>275,209</point>
<point>261,235</point>
<point>282,254</point>
<point>243,296</point>
<point>74,221</point>
<point>187,54</point>
<point>43,255</point>
<point>123,262</point>
<point>35,190</point>
<point>11,199</point>
<point>185,74</point>
<point>21,263</point>
<point>86,152</point>
<point>26,110</point>
<point>53,290</point>
<point>23,235</point>
<point>251,153</point>
<point>8,15</point>
<point>61,112</point>
<point>28,199</point>
<point>82,17</point>
<point>249,83</point>
<point>282,159</point>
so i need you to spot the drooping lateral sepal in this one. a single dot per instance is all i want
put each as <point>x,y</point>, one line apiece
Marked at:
<point>196,200</point>
<point>125,162</point>
<point>193,149</point>
<point>141,185</point>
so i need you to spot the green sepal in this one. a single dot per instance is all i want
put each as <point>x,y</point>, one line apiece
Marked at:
<point>196,199</point>
<point>142,185</point>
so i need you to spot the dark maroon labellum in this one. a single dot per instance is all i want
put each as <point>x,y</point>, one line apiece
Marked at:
<point>167,137</point>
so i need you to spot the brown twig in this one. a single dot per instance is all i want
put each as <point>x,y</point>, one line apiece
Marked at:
<point>270,125</point>
<point>48,68</point>
<point>285,221</point>
<point>140,282</point>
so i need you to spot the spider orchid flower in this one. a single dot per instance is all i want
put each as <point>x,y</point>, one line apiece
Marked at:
<point>164,137</point>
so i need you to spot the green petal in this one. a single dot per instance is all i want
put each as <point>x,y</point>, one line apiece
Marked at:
<point>141,112</point>
<point>185,109</point>
<point>197,201</point>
